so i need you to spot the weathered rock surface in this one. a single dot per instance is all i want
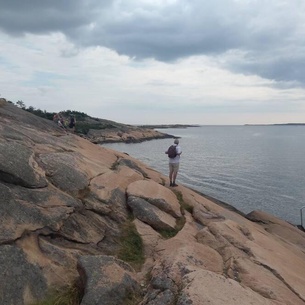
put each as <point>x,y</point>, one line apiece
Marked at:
<point>20,280</point>
<point>107,280</point>
<point>64,203</point>
<point>128,134</point>
<point>157,195</point>
<point>150,214</point>
<point>18,166</point>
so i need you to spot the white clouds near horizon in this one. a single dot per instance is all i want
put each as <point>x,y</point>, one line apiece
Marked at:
<point>154,62</point>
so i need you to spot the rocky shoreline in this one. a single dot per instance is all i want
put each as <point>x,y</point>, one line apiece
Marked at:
<point>81,218</point>
<point>125,135</point>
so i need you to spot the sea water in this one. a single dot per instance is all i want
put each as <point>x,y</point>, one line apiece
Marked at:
<point>248,167</point>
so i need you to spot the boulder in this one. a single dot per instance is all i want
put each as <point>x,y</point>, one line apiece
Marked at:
<point>157,195</point>
<point>107,280</point>
<point>150,214</point>
<point>20,282</point>
<point>204,216</point>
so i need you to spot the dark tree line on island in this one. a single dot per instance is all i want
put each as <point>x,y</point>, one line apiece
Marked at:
<point>49,115</point>
<point>84,121</point>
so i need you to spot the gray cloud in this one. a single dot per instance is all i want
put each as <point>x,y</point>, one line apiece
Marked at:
<point>18,17</point>
<point>268,35</point>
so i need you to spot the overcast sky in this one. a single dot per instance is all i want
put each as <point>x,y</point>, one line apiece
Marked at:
<point>157,61</point>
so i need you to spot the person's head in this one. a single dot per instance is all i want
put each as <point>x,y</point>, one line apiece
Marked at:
<point>176,141</point>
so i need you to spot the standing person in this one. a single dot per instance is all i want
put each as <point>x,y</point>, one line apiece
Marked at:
<point>60,121</point>
<point>174,152</point>
<point>72,122</point>
<point>56,118</point>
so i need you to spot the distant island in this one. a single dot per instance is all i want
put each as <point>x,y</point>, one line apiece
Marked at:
<point>280,124</point>
<point>164,126</point>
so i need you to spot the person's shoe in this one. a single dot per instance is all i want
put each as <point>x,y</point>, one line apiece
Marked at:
<point>171,184</point>
<point>174,184</point>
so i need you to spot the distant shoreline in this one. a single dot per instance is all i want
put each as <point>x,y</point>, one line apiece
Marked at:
<point>280,124</point>
<point>165,126</point>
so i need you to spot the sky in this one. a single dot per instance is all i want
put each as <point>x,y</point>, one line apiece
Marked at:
<point>211,62</point>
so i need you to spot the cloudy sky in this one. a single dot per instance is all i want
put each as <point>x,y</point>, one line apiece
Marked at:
<point>157,61</point>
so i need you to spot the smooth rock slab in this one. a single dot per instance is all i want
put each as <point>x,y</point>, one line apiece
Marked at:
<point>64,172</point>
<point>207,288</point>
<point>17,166</point>
<point>24,209</point>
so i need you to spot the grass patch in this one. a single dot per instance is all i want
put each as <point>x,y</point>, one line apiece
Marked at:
<point>168,233</point>
<point>172,232</point>
<point>70,295</point>
<point>180,221</point>
<point>184,206</point>
<point>131,246</point>
<point>133,299</point>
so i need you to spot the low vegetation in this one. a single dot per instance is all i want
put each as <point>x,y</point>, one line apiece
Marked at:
<point>132,299</point>
<point>180,221</point>
<point>131,246</point>
<point>71,295</point>
<point>84,121</point>
<point>184,205</point>
<point>83,127</point>
<point>171,233</point>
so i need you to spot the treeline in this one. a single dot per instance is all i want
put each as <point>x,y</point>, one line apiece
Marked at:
<point>83,121</point>
<point>80,116</point>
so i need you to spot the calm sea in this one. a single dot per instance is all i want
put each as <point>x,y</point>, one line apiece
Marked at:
<point>248,167</point>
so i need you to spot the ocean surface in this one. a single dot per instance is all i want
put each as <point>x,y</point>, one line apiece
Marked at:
<point>248,167</point>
